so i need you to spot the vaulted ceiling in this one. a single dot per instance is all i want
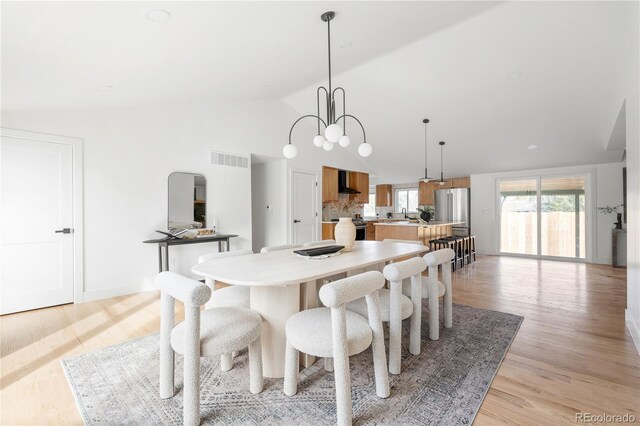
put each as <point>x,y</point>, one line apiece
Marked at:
<point>57,54</point>
<point>493,78</point>
<point>520,74</point>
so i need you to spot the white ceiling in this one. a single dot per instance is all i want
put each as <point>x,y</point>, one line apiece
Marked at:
<point>56,54</point>
<point>569,55</point>
<point>399,62</point>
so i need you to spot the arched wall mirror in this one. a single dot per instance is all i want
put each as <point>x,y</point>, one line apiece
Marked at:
<point>187,201</point>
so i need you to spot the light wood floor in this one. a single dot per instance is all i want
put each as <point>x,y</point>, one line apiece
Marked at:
<point>572,353</point>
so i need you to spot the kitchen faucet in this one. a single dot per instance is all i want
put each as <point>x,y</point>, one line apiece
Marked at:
<point>404,211</point>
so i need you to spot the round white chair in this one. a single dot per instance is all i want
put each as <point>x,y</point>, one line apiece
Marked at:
<point>432,286</point>
<point>396,307</point>
<point>212,333</point>
<point>335,332</point>
<point>230,296</point>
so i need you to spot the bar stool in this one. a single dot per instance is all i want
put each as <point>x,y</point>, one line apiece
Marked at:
<point>471,247</point>
<point>443,243</point>
<point>457,248</point>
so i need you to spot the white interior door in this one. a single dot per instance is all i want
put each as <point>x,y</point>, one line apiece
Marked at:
<point>304,207</point>
<point>37,261</point>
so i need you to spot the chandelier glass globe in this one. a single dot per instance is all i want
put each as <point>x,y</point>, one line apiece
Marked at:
<point>365,149</point>
<point>328,146</point>
<point>333,133</point>
<point>344,141</point>
<point>318,140</point>
<point>289,151</point>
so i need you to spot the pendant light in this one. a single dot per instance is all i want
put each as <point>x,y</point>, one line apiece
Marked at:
<point>426,177</point>
<point>333,132</point>
<point>442,181</point>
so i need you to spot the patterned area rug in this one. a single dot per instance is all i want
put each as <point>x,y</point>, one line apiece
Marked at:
<point>445,385</point>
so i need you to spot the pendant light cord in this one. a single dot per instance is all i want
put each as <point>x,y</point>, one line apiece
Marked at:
<point>425,151</point>
<point>330,100</point>
<point>441,163</point>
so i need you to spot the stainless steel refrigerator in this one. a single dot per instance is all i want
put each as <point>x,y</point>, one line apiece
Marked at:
<point>452,205</point>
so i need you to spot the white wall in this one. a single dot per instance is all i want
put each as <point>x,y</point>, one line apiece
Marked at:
<point>128,156</point>
<point>630,90</point>
<point>608,191</point>
<point>269,203</point>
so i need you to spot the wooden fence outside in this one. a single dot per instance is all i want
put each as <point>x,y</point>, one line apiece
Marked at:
<point>518,233</point>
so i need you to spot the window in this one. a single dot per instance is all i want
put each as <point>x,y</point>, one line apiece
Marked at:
<point>370,208</point>
<point>406,198</point>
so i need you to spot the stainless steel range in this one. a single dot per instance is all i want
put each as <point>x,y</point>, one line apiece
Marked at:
<point>361,228</point>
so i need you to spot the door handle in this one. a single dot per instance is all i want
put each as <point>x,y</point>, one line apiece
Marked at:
<point>296,221</point>
<point>63,231</point>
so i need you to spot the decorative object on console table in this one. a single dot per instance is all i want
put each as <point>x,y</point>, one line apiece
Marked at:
<point>345,233</point>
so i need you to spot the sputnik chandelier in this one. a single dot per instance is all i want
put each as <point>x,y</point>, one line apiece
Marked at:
<point>333,132</point>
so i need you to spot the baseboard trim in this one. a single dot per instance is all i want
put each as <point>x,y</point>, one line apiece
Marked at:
<point>114,292</point>
<point>633,329</point>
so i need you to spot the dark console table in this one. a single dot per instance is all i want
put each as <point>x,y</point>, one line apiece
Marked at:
<point>163,255</point>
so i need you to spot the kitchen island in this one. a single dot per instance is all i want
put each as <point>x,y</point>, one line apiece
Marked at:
<point>414,230</point>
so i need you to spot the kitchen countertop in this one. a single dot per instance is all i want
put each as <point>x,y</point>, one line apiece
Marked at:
<point>364,220</point>
<point>431,224</point>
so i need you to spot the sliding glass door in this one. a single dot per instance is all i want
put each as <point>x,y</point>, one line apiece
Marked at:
<point>518,216</point>
<point>543,216</point>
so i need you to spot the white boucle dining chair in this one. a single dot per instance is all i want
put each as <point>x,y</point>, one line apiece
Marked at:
<point>335,332</point>
<point>395,307</point>
<point>433,289</point>
<point>210,334</point>
<point>230,296</point>
<point>281,247</point>
<point>380,266</point>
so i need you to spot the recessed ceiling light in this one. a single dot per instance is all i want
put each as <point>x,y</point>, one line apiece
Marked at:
<point>515,75</point>
<point>157,15</point>
<point>105,88</point>
<point>532,147</point>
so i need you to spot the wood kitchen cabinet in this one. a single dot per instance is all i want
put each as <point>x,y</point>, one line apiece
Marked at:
<point>426,190</point>
<point>371,231</point>
<point>330,184</point>
<point>426,196</point>
<point>384,197</point>
<point>328,231</point>
<point>360,182</point>
<point>461,182</point>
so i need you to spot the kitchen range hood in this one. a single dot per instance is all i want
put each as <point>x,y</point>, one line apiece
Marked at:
<point>342,184</point>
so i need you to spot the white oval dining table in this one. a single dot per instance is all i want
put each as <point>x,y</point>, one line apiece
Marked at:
<point>283,283</point>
